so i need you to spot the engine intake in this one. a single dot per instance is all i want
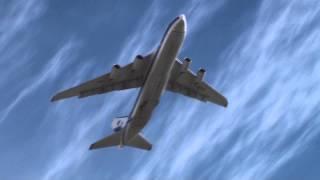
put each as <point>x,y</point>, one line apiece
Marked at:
<point>137,62</point>
<point>116,66</point>
<point>201,73</point>
<point>139,56</point>
<point>186,63</point>
<point>115,71</point>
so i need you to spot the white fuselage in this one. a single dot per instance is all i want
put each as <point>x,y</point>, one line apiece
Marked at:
<point>157,78</point>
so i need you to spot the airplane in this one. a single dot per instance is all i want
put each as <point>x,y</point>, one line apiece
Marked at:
<point>154,73</point>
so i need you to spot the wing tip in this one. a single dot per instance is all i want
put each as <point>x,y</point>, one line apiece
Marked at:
<point>58,96</point>
<point>91,147</point>
<point>54,98</point>
<point>225,104</point>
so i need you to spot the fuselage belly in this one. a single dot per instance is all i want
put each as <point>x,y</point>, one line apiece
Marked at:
<point>157,78</point>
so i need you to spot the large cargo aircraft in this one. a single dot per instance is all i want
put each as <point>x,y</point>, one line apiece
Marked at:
<point>154,73</point>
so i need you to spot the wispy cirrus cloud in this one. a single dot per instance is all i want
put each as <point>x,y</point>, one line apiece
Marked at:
<point>198,13</point>
<point>269,73</point>
<point>16,16</point>
<point>143,37</point>
<point>14,51</point>
<point>49,72</point>
<point>268,121</point>
<point>75,152</point>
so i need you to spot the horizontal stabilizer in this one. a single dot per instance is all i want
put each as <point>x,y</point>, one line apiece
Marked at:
<point>112,140</point>
<point>140,142</point>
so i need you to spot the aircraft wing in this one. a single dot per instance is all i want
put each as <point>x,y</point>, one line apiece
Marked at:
<point>185,82</point>
<point>120,78</point>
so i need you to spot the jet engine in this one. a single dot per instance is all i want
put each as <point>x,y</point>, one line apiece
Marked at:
<point>119,123</point>
<point>186,63</point>
<point>137,62</point>
<point>201,73</point>
<point>139,56</point>
<point>114,71</point>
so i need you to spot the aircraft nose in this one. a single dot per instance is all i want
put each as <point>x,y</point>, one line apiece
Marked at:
<point>181,24</point>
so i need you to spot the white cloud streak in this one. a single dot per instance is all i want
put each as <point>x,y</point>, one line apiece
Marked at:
<point>16,17</point>
<point>48,73</point>
<point>73,153</point>
<point>266,108</point>
<point>269,119</point>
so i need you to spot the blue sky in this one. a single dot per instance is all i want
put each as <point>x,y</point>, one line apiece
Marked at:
<point>263,55</point>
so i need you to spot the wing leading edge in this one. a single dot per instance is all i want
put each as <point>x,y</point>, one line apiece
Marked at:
<point>120,78</point>
<point>185,82</point>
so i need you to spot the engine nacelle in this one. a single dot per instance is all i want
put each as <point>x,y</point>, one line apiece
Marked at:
<point>138,61</point>
<point>186,63</point>
<point>115,71</point>
<point>119,123</point>
<point>139,56</point>
<point>201,73</point>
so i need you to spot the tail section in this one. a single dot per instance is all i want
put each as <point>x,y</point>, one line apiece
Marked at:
<point>115,139</point>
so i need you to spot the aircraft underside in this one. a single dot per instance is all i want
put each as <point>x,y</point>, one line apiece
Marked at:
<point>154,73</point>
